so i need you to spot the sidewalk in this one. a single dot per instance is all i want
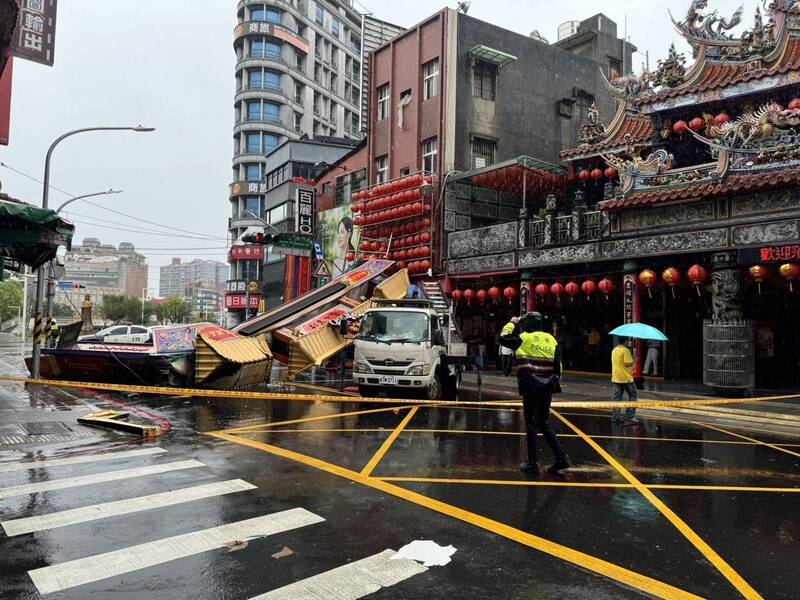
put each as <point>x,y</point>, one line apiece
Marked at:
<point>780,417</point>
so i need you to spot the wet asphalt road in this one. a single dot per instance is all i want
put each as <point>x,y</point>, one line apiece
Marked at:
<point>740,497</point>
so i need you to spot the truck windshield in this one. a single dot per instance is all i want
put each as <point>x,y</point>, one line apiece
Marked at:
<point>395,326</point>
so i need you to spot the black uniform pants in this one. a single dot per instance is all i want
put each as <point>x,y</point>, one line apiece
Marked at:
<point>536,405</point>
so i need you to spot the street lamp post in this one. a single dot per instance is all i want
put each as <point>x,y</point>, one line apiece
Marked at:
<point>41,276</point>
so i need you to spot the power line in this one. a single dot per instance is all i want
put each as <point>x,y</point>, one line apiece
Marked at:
<point>52,187</point>
<point>144,229</point>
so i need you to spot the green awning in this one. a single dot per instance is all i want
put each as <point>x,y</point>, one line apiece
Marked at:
<point>31,235</point>
<point>490,55</point>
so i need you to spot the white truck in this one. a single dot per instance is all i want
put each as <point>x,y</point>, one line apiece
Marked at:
<point>409,347</point>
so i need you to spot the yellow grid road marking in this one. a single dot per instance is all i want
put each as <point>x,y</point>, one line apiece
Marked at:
<point>256,428</point>
<point>749,439</point>
<point>580,559</point>
<point>373,462</point>
<point>715,559</point>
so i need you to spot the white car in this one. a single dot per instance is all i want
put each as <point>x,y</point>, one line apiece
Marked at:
<point>119,334</point>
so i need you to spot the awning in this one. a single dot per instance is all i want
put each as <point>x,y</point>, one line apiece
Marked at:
<point>490,55</point>
<point>29,234</point>
<point>513,176</point>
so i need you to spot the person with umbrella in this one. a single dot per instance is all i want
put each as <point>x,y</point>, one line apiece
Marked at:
<point>622,366</point>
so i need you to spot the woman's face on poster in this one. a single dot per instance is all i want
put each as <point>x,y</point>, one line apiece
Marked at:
<point>342,236</point>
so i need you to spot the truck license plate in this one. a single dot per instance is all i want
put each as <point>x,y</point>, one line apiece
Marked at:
<point>386,380</point>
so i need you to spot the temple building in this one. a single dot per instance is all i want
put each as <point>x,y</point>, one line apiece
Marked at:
<point>681,211</point>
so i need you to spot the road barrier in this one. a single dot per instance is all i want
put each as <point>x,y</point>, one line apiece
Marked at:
<point>247,395</point>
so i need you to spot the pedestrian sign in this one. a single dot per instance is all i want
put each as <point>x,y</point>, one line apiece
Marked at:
<point>322,271</point>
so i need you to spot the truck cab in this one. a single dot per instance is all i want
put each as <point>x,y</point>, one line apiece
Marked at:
<point>403,346</point>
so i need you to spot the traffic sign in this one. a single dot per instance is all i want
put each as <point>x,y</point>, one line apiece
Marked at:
<point>322,271</point>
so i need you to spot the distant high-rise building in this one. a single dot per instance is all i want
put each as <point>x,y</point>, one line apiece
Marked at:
<point>181,279</point>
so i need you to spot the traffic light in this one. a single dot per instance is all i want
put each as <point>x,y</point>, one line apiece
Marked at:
<point>257,238</point>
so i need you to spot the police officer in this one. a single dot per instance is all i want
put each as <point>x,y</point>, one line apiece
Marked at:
<point>538,372</point>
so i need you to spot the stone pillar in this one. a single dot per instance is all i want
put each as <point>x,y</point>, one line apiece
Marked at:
<point>578,225</point>
<point>551,210</point>
<point>728,339</point>
<point>631,308</point>
<point>527,299</point>
<point>523,228</point>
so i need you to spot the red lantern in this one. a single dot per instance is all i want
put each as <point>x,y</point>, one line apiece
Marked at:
<point>572,290</point>
<point>481,296</point>
<point>606,286</point>
<point>596,174</point>
<point>697,275</point>
<point>647,279</point>
<point>589,287</point>
<point>583,175</point>
<point>696,124</point>
<point>510,293</point>
<point>790,272</point>
<point>494,293</point>
<point>794,104</point>
<point>469,295</point>
<point>759,274</point>
<point>425,265</point>
<point>350,257</point>
<point>557,289</point>
<point>680,127</point>
<point>671,276</point>
<point>721,119</point>
<point>457,295</point>
<point>611,173</point>
<point>541,290</point>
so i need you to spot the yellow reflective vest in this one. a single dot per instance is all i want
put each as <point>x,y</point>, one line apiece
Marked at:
<point>537,352</point>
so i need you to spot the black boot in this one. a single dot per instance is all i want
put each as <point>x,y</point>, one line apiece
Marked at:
<point>531,469</point>
<point>559,465</point>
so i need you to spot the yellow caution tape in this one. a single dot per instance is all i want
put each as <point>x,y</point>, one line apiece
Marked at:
<point>202,393</point>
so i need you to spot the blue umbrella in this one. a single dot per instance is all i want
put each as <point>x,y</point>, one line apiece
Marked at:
<point>639,331</point>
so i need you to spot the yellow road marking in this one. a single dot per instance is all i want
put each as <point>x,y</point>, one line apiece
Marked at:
<point>256,428</point>
<point>749,439</point>
<point>715,559</point>
<point>580,559</point>
<point>181,392</point>
<point>373,462</point>
<point>581,484</point>
<point>322,388</point>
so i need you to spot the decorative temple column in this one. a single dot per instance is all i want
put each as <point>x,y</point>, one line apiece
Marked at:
<point>551,209</point>
<point>631,309</point>
<point>578,217</point>
<point>728,339</point>
<point>86,315</point>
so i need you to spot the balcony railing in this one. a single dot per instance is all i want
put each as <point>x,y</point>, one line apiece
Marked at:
<point>562,230</point>
<point>261,87</point>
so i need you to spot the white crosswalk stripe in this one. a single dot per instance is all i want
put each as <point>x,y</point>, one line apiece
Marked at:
<point>70,482</point>
<point>76,460</point>
<point>110,564</point>
<point>350,581</point>
<point>123,507</point>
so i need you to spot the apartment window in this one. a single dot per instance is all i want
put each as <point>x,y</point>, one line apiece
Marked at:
<point>255,79</point>
<point>272,80</point>
<point>270,142</point>
<point>335,27</point>
<point>298,122</point>
<point>320,16</point>
<point>347,185</point>
<point>253,204</point>
<point>405,171</point>
<point>253,143</point>
<point>277,214</point>
<point>382,168</point>
<point>273,16</point>
<point>583,98</point>
<point>383,102</point>
<point>258,14</point>
<point>429,152</point>
<point>262,111</point>
<point>252,172</point>
<point>482,152</point>
<point>614,66</point>
<point>484,80</point>
<point>430,74</point>
<point>262,49</point>
<point>298,93</point>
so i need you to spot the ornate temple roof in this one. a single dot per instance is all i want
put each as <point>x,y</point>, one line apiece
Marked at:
<point>732,184</point>
<point>625,130</point>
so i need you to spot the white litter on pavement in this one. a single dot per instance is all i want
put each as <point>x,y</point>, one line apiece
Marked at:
<point>428,552</point>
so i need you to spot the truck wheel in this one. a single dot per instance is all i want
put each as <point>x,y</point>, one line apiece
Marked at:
<point>434,390</point>
<point>367,391</point>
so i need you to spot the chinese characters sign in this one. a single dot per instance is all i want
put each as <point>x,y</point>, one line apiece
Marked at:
<point>252,187</point>
<point>236,285</point>
<point>239,301</point>
<point>780,253</point>
<point>274,30</point>
<point>247,252</point>
<point>304,222</point>
<point>34,38</point>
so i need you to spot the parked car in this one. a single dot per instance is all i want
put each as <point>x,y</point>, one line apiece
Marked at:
<point>119,334</point>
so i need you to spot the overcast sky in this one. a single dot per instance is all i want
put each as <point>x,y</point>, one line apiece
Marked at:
<point>169,64</point>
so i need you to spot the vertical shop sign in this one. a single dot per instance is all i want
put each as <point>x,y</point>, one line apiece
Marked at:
<point>630,290</point>
<point>5,102</point>
<point>35,36</point>
<point>304,220</point>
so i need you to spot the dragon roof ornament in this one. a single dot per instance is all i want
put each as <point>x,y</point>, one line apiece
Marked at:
<point>707,29</point>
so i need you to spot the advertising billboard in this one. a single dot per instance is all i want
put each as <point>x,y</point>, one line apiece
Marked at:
<point>338,237</point>
<point>35,36</point>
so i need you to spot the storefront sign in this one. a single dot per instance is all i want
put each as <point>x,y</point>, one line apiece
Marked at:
<point>304,219</point>
<point>272,29</point>
<point>769,254</point>
<point>292,246</point>
<point>251,187</point>
<point>246,252</point>
<point>236,285</point>
<point>173,339</point>
<point>239,301</point>
<point>5,101</point>
<point>35,36</point>
<point>631,314</point>
<point>326,317</point>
